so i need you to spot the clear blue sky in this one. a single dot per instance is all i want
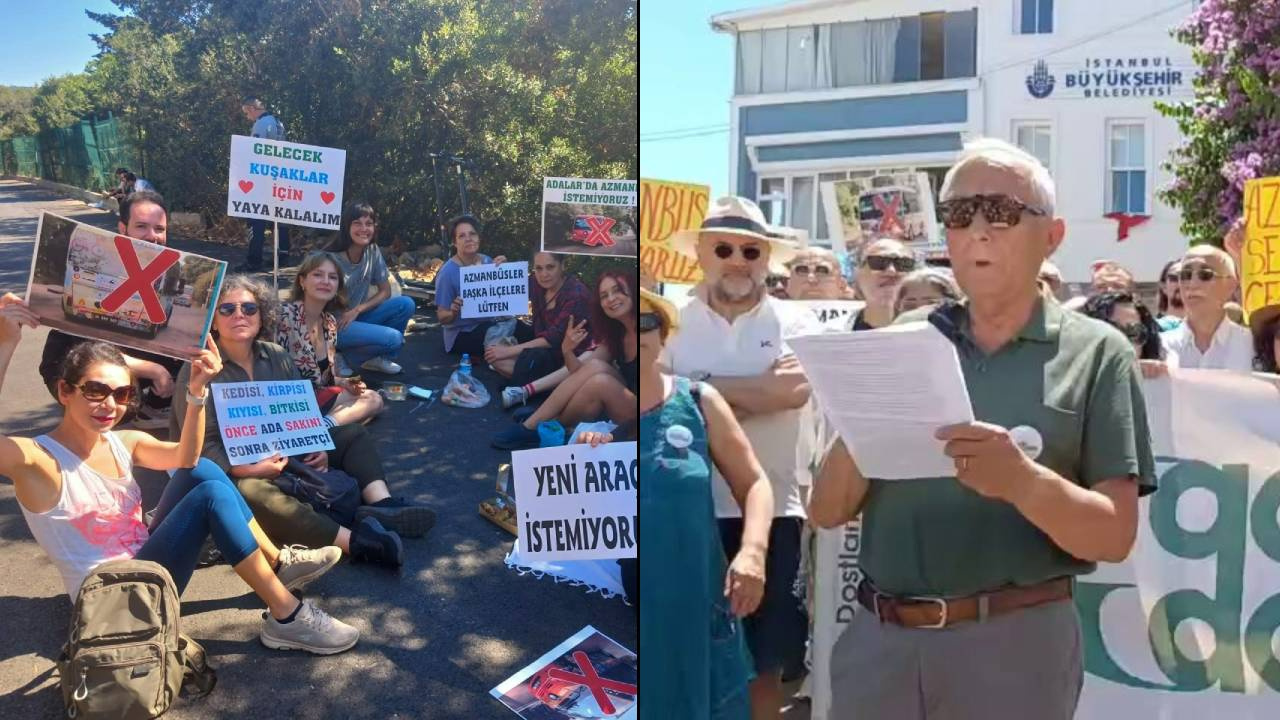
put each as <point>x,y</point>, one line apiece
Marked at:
<point>43,38</point>
<point>686,81</point>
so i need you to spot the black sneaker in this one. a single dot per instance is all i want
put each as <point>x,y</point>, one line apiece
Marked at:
<point>372,543</point>
<point>405,518</point>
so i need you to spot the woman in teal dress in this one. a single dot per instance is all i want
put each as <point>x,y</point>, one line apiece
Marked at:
<point>695,662</point>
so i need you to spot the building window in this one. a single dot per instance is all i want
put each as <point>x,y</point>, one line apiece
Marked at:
<point>1034,17</point>
<point>1036,138</point>
<point>1127,168</point>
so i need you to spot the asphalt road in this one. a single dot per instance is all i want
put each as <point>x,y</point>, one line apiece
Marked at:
<point>453,623</point>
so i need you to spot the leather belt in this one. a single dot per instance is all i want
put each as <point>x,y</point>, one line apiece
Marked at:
<point>933,612</point>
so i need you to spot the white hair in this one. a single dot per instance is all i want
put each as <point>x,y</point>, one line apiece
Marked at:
<point>996,152</point>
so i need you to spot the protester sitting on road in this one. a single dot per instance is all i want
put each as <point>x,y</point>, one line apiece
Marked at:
<point>926,286</point>
<point>308,331</point>
<point>1265,323</point>
<point>77,491</point>
<point>143,215</point>
<point>558,299</point>
<point>696,664</point>
<point>884,263</point>
<point>1109,275</point>
<point>1131,317</point>
<point>461,336</point>
<point>246,310</point>
<point>119,190</point>
<point>605,383</point>
<point>1169,312</point>
<point>371,329</point>
<point>815,275</point>
<point>1208,339</point>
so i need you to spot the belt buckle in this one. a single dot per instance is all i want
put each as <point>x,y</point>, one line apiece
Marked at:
<point>942,619</point>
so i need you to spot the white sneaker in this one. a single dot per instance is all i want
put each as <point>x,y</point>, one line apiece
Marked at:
<point>512,396</point>
<point>312,629</point>
<point>300,566</point>
<point>382,365</point>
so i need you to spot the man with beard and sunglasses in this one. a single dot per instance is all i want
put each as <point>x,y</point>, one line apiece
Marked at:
<point>1207,339</point>
<point>143,215</point>
<point>885,262</point>
<point>965,607</point>
<point>733,336</point>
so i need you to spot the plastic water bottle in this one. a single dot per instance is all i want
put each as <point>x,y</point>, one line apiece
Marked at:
<point>465,367</point>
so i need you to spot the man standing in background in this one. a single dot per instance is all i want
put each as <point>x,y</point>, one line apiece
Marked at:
<point>266,126</point>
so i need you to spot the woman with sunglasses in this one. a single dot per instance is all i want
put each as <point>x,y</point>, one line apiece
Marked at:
<point>1170,312</point>
<point>76,489</point>
<point>884,263</point>
<point>242,325</point>
<point>606,383</point>
<point>308,330</point>
<point>1131,317</point>
<point>696,663</point>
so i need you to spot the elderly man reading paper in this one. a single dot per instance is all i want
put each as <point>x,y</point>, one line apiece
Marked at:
<point>966,607</point>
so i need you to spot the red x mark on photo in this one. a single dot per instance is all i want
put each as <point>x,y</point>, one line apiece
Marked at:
<point>593,682</point>
<point>599,231</point>
<point>138,279</point>
<point>889,219</point>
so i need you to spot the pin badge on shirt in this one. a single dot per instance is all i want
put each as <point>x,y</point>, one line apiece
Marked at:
<point>679,437</point>
<point>1028,440</point>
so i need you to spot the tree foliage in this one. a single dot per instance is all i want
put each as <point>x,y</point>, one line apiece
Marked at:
<point>1232,126</point>
<point>16,117</point>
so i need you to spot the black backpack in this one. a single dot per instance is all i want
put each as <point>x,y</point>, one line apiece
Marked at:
<point>332,492</point>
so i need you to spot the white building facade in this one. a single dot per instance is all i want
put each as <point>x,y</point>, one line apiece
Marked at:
<point>828,90</point>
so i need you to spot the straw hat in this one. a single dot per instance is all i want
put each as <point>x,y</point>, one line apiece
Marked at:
<point>733,215</point>
<point>655,303</point>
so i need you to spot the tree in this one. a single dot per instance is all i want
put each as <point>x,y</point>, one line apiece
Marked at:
<point>1232,126</point>
<point>16,117</point>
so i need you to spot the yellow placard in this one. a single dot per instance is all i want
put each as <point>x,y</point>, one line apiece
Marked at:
<point>1260,276</point>
<point>666,207</point>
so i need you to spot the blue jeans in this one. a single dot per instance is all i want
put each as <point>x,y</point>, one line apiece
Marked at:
<point>376,333</point>
<point>253,257</point>
<point>195,503</point>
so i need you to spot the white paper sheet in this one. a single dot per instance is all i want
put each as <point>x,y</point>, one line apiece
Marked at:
<point>887,392</point>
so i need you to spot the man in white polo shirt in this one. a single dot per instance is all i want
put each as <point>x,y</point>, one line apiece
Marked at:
<point>1208,339</point>
<point>733,337</point>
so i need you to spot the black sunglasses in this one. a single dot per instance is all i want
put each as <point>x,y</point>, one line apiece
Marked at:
<point>649,322</point>
<point>96,392</point>
<point>999,210</point>
<point>807,271</point>
<point>884,262</point>
<point>1202,272</point>
<point>751,253</point>
<point>228,309</point>
<point>1136,332</point>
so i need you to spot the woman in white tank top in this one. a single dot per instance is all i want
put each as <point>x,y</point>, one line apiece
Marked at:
<point>78,494</point>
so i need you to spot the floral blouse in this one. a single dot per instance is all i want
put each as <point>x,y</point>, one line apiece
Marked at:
<point>291,334</point>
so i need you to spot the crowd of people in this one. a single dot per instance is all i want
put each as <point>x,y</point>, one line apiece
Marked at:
<point>735,448</point>
<point>77,487</point>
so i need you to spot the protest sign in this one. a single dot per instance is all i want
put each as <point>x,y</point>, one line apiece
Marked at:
<point>587,676</point>
<point>666,207</point>
<point>1185,628</point>
<point>589,217</point>
<point>1260,276</point>
<point>96,284</point>
<point>260,419</point>
<point>835,315</point>
<point>285,182</point>
<point>577,502</point>
<point>494,290</point>
<point>898,206</point>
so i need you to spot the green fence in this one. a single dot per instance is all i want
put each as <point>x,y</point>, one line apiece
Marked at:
<point>84,155</point>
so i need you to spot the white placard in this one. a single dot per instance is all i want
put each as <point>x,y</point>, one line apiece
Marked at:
<point>286,182</point>
<point>589,216</point>
<point>260,419</point>
<point>577,502</point>
<point>835,315</point>
<point>494,290</point>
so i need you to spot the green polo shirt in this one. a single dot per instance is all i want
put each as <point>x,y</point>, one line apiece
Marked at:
<point>1073,379</point>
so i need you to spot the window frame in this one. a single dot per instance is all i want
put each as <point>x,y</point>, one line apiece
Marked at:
<point>1019,123</point>
<point>1053,18</point>
<point>1111,167</point>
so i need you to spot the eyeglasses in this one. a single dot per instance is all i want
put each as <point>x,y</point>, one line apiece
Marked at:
<point>822,271</point>
<point>97,392</point>
<point>884,262</point>
<point>649,322</point>
<point>999,210</point>
<point>1202,273</point>
<point>1136,332</point>
<point>228,309</point>
<point>750,253</point>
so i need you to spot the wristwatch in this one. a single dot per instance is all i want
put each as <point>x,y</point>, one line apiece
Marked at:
<point>198,400</point>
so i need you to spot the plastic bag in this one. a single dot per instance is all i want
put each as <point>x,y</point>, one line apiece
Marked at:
<point>464,391</point>
<point>502,332</point>
<point>550,433</point>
